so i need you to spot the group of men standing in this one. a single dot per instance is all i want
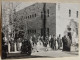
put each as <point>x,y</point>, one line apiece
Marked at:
<point>52,42</point>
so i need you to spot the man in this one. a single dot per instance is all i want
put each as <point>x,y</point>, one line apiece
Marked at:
<point>64,40</point>
<point>34,40</point>
<point>51,42</point>
<point>59,40</point>
<point>68,43</point>
<point>54,42</point>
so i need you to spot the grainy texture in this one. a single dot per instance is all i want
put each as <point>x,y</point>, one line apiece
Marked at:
<point>65,1</point>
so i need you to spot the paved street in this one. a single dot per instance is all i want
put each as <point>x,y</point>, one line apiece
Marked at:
<point>43,54</point>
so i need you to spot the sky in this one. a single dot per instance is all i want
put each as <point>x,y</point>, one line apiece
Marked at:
<point>23,5</point>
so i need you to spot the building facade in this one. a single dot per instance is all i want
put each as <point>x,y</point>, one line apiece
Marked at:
<point>67,16</point>
<point>30,19</point>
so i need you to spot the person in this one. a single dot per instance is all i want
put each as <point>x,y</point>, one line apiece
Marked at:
<point>54,42</point>
<point>47,43</point>
<point>68,43</point>
<point>12,44</point>
<point>69,34</point>
<point>38,44</point>
<point>4,47</point>
<point>34,40</point>
<point>64,40</point>
<point>59,40</point>
<point>49,40</point>
<point>31,41</point>
<point>19,43</point>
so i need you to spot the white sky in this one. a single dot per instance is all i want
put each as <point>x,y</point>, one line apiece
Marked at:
<point>23,5</point>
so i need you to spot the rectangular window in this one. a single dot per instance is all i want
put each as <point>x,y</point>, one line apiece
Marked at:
<point>48,31</point>
<point>30,16</point>
<point>69,13</point>
<point>41,15</point>
<point>35,15</point>
<point>48,12</point>
<point>77,14</point>
<point>35,31</point>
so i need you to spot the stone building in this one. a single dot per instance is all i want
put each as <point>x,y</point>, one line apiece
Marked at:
<point>67,16</point>
<point>30,19</point>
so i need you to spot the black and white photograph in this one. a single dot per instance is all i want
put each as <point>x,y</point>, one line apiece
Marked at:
<point>39,30</point>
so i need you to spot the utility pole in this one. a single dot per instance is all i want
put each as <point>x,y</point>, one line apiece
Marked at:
<point>44,21</point>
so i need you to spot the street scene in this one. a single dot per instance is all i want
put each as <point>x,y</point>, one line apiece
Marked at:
<point>39,30</point>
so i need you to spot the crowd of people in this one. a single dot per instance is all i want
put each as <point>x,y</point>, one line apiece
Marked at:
<point>51,42</point>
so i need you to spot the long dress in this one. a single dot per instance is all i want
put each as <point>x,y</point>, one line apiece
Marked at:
<point>64,40</point>
<point>68,44</point>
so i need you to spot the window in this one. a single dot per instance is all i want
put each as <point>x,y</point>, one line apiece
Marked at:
<point>48,12</point>
<point>41,15</point>
<point>31,31</point>
<point>69,13</point>
<point>77,14</point>
<point>48,31</point>
<point>35,31</point>
<point>35,15</point>
<point>30,16</point>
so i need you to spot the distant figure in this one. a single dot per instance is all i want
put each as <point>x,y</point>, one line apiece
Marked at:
<point>31,41</point>
<point>54,42</point>
<point>34,40</point>
<point>46,43</point>
<point>49,40</point>
<point>19,44</point>
<point>70,36</point>
<point>64,40</point>
<point>66,43</point>
<point>39,44</point>
<point>59,40</point>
